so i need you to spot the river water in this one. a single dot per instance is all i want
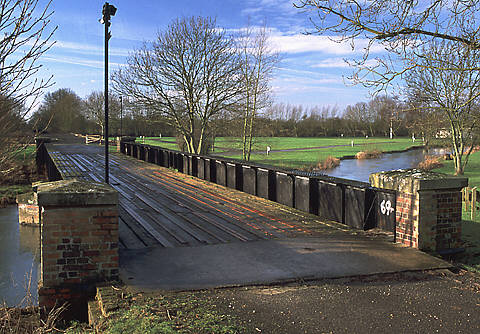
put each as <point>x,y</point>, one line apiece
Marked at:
<point>360,170</point>
<point>19,259</point>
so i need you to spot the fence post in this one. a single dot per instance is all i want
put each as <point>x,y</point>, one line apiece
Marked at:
<point>473,203</point>
<point>467,198</point>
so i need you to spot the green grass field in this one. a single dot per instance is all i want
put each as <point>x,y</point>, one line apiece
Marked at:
<point>172,145</point>
<point>472,170</point>
<point>305,158</point>
<point>231,147</point>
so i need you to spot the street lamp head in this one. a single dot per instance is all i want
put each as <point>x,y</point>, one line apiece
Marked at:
<point>108,11</point>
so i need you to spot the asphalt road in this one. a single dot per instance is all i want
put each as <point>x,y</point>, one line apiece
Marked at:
<point>423,302</point>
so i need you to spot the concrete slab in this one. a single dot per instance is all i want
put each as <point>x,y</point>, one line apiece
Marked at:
<point>268,261</point>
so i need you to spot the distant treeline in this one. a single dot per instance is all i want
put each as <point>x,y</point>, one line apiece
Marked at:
<point>64,111</point>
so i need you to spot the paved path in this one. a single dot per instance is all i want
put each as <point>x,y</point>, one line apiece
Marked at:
<point>180,232</point>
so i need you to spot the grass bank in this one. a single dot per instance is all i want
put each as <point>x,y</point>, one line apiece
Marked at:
<point>18,176</point>
<point>194,312</point>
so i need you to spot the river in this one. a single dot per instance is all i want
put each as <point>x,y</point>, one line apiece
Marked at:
<point>360,170</point>
<point>19,259</point>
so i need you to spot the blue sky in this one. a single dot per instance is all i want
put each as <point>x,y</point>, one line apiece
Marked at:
<point>311,72</point>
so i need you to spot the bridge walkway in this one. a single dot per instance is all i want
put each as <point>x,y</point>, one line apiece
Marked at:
<point>162,208</point>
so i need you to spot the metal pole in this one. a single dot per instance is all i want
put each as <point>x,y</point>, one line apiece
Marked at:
<point>106,100</point>
<point>121,116</point>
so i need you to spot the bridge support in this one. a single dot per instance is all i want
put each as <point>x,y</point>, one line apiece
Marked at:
<point>429,207</point>
<point>79,242</point>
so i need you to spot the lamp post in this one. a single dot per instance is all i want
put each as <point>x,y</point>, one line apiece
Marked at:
<point>108,11</point>
<point>121,115</point>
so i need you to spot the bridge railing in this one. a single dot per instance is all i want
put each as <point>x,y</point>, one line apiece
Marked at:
<point>45,164</point>
<point>352,203</point>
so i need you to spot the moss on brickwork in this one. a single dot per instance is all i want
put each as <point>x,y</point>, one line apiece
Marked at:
<point>74,192</point>
<point>412,180</point>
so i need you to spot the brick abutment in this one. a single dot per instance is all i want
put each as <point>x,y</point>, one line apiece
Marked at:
<point>78,241</point>
<point>429,208</point>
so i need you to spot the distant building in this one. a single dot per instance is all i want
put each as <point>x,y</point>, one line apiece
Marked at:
<point>443,133</point>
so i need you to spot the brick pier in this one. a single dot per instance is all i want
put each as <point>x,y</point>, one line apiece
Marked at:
<point>429,207</point>
<point>79,241</point>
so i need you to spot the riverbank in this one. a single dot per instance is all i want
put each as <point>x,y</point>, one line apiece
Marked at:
<point>18,176</point>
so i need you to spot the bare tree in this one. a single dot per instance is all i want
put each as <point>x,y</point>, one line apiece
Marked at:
<point>259,61</point>
<point>453,94</point>
<point>396,26</point>
<point>421,119</point>
<point>23,40</point>
<point>358,117</point>
<point>95,109</point>
<point>189,74</point>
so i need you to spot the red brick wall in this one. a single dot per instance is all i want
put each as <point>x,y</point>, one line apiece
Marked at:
<point>407,233</point>
<point>79,247</point>
<point>431,220</point>
<point>79,244</point>
<point>449,217</point>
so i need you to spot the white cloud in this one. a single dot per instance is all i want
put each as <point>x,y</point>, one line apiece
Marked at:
<point>300,43</point>
<point>331,63</point>
<point>339,63</point>
<point>89,49</point>
<point>98,64</point>
<point>251,11</point>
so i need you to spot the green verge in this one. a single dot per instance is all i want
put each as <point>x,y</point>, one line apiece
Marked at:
<point>15,183</point>
<point>8,194</point>
<point>26,156</point>
<point>472,170</point>
<point>181,312</point>
<point>166,142</point>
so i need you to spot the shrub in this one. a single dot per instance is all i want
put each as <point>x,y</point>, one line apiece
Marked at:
<point>430,162</point>
<point>329,163</point>
<point>369,154</point>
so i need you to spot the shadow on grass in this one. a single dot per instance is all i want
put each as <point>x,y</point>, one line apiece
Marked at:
<point>471,243</point>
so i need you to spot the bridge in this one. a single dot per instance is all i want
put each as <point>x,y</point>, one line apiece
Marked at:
<point>178,231</point>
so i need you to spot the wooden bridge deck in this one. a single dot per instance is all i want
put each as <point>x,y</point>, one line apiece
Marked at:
<point>163,208</point>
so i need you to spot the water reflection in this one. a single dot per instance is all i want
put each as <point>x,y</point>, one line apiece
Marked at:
<point>361,169</point>
<point>19,259</point>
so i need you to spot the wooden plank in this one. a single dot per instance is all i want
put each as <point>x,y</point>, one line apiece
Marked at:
<point>137,229</point>
<point>127,237</point>
<point>147,226</point>
<point>179,227</point>
<point>218,235</point>
<point>230,213</point>
<point>221,224</point>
